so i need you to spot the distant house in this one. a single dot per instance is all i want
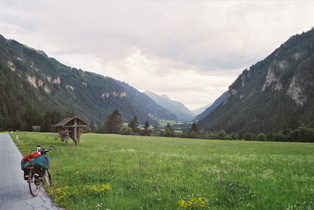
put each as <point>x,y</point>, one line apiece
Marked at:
<point>71,128</point>
<point>36,128</point>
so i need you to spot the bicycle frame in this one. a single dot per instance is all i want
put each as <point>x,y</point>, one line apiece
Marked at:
<point>35,183</point>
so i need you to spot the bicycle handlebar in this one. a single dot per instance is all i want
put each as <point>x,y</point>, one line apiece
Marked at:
<point>44,151</point>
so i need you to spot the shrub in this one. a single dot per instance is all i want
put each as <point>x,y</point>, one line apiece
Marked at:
<point>125,130</point>
<point>261,137</point>
<point>280,137</point>
<point>302,134</point>
<point>221,134</point>
<point>248,137</point>
<point>270,137</point>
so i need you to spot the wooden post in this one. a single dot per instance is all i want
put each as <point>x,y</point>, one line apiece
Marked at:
<point>71,128</point>
<point>75,133</point>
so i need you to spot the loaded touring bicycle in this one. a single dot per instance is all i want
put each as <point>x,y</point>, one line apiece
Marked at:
<point>36,169</point>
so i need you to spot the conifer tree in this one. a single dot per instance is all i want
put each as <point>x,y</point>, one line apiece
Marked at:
<point>294,122</point>
<point>146,131</point>
<point>133,124</point>
<point>114,122</point>
<point>194,132</point>
<point>169,132</point>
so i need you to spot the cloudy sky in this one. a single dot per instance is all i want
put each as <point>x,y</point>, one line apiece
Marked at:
<point>189,50</point>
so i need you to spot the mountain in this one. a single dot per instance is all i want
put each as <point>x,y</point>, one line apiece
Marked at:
<point>177,108</point>
<point>32,82</point>
<point>200,110</point>
<point>264,97</point>
<point>211,108</point>
<point>146,104</point>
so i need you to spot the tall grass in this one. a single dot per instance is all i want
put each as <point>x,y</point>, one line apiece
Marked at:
<point>133,172</point>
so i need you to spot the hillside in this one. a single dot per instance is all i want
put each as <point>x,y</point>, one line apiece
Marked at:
<point>211,108</point>
<point>148,105</point>
<point>32,83</point>
<point>175,107</point>
<point>263,97</point>
<point>200,110</point>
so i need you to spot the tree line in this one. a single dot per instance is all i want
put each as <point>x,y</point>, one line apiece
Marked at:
<point>292,130</point>
<point>31,120</point>
<point>114,124</point>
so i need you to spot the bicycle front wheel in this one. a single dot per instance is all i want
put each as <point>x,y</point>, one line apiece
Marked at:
<point>33,184</point>
<point>47,178</point>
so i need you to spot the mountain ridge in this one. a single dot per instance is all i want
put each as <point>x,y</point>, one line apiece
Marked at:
<point>212,107</point>
<point>30,80</point>
<point>263,97</point>
<point>200,110</point>
<point>175,107</point>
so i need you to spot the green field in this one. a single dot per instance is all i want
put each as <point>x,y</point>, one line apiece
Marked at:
<point>134,172</point>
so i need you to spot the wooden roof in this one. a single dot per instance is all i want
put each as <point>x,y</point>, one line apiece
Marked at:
<point>69,122</point>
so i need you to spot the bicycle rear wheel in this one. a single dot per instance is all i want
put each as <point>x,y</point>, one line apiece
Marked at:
<point>47,178</point>
<point>33,184</point>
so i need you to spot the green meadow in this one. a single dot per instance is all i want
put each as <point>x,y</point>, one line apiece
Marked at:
<point>134,172</point>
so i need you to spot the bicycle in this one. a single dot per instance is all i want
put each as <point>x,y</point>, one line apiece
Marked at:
<point>38,175</point>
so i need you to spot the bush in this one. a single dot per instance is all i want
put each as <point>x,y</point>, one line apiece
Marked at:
<point>261,137</point>
<point>270,137</point>
<point>221,134</point>
<point>280,137</point>
<point>302,134</point>
<point>248,137</point>
<point>194,135</point>
<point>125,130</point>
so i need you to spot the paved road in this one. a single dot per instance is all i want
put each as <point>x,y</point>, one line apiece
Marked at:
<point>14,192</point>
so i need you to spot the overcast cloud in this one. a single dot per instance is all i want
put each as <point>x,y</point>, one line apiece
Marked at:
<point>189,50</point>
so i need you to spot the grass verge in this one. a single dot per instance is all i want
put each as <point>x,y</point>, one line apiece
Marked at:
<point>134,172</point>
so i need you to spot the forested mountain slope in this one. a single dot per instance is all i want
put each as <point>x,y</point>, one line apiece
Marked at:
<point>211,108</point>
<point>263,97</point>
<point>32,84</point>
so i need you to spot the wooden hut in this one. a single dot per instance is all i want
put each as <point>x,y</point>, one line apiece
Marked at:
<point>71,128</point>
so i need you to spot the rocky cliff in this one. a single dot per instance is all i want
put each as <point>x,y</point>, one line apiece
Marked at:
<point>264,96</point>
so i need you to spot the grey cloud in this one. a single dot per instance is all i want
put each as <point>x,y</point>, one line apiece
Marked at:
<point>205,37</point>
<point>19,23</point>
